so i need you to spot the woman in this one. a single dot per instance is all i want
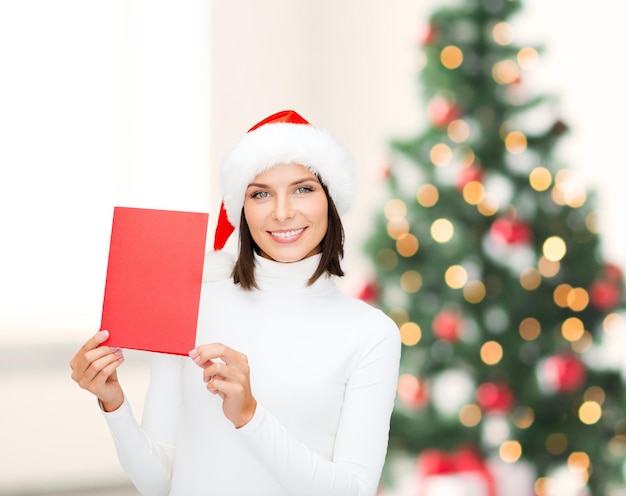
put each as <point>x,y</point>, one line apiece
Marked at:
<point>302,377</point>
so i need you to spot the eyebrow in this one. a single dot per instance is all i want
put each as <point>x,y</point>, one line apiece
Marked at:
<point>295,183</point>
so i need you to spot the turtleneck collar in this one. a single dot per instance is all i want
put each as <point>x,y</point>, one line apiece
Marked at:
<point>290,277</point>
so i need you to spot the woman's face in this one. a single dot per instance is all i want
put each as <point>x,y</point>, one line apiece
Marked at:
<point>287,212</point>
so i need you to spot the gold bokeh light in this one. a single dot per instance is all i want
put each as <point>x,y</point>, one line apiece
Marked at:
<point>515,142</point>
<point>502,33</point>
<point>442,230</point>
<point>474,291</point>
<point>458,131</point>
<point>440,155</point>
<point>572,329</point>
<point>540,179</point>
<point>456,276</point>
<point>554,248</point>
<point>395,210</point>
<point>590,412</point>
<point>411,281</point>
<point>527,58</point>
<point>407,245</point>
<point>529,329</point>
<point>510,451</point>
<point>505,72</point>
<point>427,195</point>
<point>451,57</point>
<point>473,192</point>
<point>410,333</point>
<point>470,415</point>
<point>491,352</point>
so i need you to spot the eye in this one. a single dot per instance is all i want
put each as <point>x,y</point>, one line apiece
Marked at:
<point>259,194</point>
<point>304,189</point>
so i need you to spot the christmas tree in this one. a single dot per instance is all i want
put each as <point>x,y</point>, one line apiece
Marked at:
<point>488,257</point>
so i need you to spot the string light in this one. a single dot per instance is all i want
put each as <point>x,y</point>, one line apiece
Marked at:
<point>510,451</point>
<point>440,155</point>
<point>548,268</point>
<point>529,329</point>
<point>502,33</point>
<point>473,192</point>
<point>527,58</point>
<point>474,292</point>
<point>554,248</point>
<point>590,412</point>
<point>515,142</point>
<point>427,195</point>
<point>442,230</point>
<point>410,333</point>
<point>572,329</point>
<point>540,179</point>
<point>530,279</point>
<point>560,294</point>
<point>578,299</point>
<point>411,281</point>
<point>470,415</point>
<point>397,228</point>
<point>395,210</point>
<point>456,276</point>
<point>407,245</point>
<point>505,72</point>
<point>491,352</point>
<point>451,57</point>
<point>458,131</point>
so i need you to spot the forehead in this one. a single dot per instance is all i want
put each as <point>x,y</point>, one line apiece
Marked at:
<point>285,173</point>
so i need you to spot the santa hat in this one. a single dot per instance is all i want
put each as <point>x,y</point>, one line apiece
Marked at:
<point>282,138</point>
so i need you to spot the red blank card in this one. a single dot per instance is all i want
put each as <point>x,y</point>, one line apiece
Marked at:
<point>153,281</point>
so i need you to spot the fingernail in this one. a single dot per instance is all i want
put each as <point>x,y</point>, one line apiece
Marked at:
<point>103,333</point>
<point>119,353</point>
<point>114,348</point>
<point>193,353</point>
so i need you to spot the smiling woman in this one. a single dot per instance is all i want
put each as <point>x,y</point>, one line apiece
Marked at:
<point>284,364</point>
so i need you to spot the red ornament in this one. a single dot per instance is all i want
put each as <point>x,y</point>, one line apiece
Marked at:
<point>495,398</point>
<point>605,294</point>
<point>468,175</point>
<point>441,111</point>
<point>563,373</point>
<point>413,393</point>
<point>511,232</point>
<point>447,326</point>
<point>429,35</point>
<point>434,462</point>
<point>368,292</point>
<point>612,272</point>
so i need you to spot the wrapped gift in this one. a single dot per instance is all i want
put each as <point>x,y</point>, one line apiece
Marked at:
<point>462,472</point>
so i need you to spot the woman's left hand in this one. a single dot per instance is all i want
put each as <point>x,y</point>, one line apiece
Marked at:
<point>227,373</point>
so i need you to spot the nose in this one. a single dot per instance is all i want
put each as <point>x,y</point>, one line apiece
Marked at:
<point>283,209</point>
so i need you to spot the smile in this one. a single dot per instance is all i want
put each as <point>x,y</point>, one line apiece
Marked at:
<point>286,234</point>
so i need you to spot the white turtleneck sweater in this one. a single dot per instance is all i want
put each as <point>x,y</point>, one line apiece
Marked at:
<point>323,369</point>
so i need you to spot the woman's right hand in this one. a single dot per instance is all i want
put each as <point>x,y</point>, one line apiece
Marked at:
<point>94,368</point>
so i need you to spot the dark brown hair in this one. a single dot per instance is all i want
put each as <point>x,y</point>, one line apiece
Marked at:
<point>331,248</point>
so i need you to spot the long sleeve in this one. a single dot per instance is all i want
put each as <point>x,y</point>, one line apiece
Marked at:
<point>361,438</point>
<point>146,451</point>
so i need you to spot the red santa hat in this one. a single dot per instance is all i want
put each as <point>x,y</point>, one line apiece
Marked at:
<point>282,138</point>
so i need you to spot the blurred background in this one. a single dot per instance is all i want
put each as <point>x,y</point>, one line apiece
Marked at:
<point>134,102</point>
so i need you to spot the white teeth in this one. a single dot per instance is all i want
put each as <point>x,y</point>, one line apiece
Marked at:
<point>287,234</point>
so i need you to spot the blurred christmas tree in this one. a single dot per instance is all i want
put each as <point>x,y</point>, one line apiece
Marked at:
<point>488,258</point>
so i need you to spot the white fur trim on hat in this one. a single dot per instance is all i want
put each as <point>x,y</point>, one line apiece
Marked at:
<point>284,143</point>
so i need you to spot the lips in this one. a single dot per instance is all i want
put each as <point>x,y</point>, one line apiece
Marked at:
<point>287,235</point>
